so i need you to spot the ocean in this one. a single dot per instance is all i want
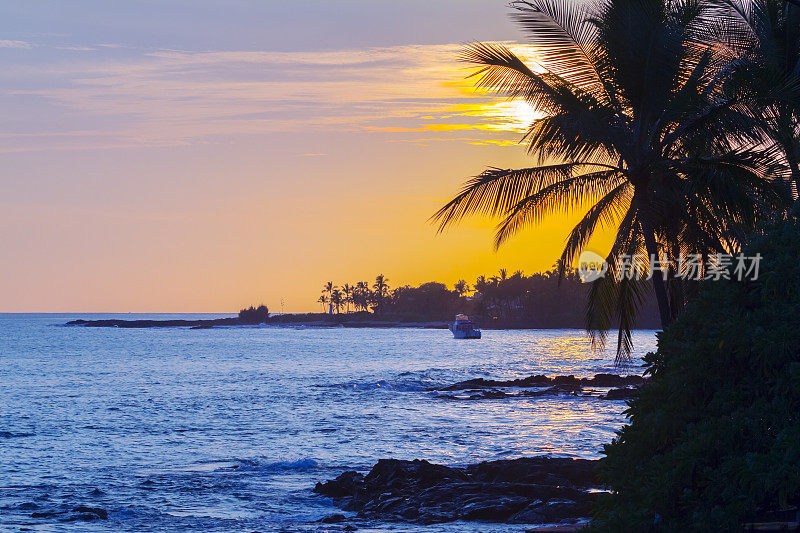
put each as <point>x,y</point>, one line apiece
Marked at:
<point>228,429</point>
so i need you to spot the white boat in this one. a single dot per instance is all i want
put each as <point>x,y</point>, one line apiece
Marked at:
<point>464,328</point>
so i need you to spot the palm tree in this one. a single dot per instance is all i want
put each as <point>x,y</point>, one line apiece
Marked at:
<point>480,283</point>
<point>461,287</point>
<point>381,291</point>
<point>637,128</point>
<point>361,295</point>
<point>323,300</point>
<point>347,291</point>
<point>328,288</point>
<point>765,37</point>
<point>337,299</point>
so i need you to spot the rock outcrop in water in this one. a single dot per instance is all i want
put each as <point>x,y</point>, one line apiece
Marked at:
<point>621,387</point>
<point>527,491</point>
<point>599,380</point>
<point>81,513</point>
<point>325,321</point>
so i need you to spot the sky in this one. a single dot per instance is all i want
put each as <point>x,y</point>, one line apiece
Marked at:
<point>202,156</point>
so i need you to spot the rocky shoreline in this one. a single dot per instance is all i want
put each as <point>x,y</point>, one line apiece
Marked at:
<point>317,320</point>
<point>234,321</point>
<point>558,493</point>
<point>620,387</point>
<point>531,491</point>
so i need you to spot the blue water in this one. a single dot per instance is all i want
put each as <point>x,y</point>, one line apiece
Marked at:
<point>229,429</point>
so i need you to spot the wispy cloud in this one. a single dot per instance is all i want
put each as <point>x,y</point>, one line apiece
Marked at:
<point>4,43</point>
<point>174,97</point>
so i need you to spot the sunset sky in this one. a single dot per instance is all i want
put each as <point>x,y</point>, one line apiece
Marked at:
<point>201,155</point>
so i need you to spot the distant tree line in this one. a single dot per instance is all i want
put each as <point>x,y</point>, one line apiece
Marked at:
<point>540,300</point>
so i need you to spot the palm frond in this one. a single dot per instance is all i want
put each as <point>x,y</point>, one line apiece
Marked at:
<point>563,196</point>
<point>564,37</point>
<point>495,191</point>
<point>503,72</point>
<point>616,297</point>
<point>606,212</point>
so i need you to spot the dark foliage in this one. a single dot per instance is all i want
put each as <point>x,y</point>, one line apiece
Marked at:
<point>516,301</point>
<point>714,438</point>
<point>254,315</point>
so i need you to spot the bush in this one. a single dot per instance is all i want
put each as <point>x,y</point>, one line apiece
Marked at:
<point>714,438</point>
<point>254,315</point>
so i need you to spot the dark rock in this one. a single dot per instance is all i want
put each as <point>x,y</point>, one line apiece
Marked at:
<point>527,490</point>
<point>494,394</point>
<point>599,380</point>
<point>99,513</point>
<point>347,484</point>
<point>493,510</point>
<point>531,514</point>
<point>612,380</point>
<point>489,389</point>
<point>554,390</point>
<point>581,473</point>
<point>81,513</point>
<point>119,323</point>
<point>621,394</point>
<point>481,383</point>
<point>332,519</point>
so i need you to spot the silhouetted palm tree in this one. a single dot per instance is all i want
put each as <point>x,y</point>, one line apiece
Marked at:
<point>461,287</point>
<point>637,127</point>
<point>337,299</point>
<point>362,295</point>
<point>323,300</point>
<point>347,292</point>
<point>328,288</point>
<point>765,37</point>
<point>380,291</point>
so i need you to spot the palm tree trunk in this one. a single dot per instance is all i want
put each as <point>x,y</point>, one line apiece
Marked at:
<point>659,285</point>
<point>786,139</point>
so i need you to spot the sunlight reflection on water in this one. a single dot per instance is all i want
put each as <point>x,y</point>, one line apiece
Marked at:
<point>228,429</point>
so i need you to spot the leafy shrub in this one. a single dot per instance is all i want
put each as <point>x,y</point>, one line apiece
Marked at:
<point>254,315</point>
<point>714,438</point>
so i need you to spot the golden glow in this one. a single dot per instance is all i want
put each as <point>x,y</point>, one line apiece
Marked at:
<point>207,181</point>
<point>514,115</point>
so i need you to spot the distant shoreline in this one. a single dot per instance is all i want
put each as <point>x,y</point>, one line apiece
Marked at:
<point>310,320</point>
<point>234,321</point>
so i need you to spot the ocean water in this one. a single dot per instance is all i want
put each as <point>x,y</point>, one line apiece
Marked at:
<point>229,429</point>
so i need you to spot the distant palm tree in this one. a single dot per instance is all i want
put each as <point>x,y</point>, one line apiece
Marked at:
<point>347,292</point>
<point>328,289</point>
<point>323,300</point>
<point>381,291</point>
<point>461,287</point>
<point>636,127</point>
<point>480,283</point>
<point>337,299</point>
<point>361,295</point>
